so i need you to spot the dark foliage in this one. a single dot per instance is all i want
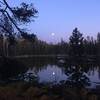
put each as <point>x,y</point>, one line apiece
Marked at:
<point>30,37</point>
<point>76,76</point>
<point>10,68</point>
<point>24,12</point>
<point>10,18</point>
<point>76,43</point>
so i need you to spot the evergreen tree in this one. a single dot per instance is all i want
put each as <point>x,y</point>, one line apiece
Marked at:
<point>15,16</point>
<point>76,43</point>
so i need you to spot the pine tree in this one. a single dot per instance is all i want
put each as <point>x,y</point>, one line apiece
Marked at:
<point>76,43</point>
<point>15,16</point>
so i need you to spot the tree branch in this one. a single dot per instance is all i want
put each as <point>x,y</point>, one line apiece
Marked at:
<point>2,2</point>
<point>5,29</point>
<point>13,22</point>
<point>7,6</point>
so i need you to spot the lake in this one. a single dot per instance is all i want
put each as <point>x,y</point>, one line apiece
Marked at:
<point>53,70</point>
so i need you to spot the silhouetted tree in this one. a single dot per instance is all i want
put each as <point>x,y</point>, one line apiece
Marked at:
<point>15,16</point>
<point>90,46</point>
<point>30,37</point>
<point>98,43</point>
<point>76,43</point>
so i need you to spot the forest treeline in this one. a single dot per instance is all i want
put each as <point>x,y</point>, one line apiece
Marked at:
<point>31,45</point>
<point>15,40</point>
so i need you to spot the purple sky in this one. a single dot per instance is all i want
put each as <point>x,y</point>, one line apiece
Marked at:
<point>62,16</point>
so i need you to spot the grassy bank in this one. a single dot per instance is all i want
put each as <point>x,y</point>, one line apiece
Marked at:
<point>21,91</point>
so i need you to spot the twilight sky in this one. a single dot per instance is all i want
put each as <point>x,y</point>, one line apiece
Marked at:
<point>57,18</point>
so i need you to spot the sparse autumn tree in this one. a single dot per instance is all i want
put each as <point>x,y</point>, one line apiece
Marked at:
<point>15,16</point>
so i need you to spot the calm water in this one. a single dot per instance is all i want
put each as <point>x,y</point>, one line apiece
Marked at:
<point>53,73</point>
<point>49,73</point>
<point>53,70</point>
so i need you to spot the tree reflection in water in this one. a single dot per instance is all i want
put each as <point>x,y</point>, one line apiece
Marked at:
<point>81,73</point>
<point>77,71</point>
<point>10,69</point>
<point>76,76</point>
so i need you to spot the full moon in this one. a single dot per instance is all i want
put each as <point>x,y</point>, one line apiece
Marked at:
<point>52,34</point>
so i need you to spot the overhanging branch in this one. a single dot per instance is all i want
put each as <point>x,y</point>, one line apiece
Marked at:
<point>5,29</point>
<point>13,22</point>
<point>2,2</point>
<point>7,6</point>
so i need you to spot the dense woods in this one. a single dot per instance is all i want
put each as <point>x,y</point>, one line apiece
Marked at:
<point>31,45</point>
<point>17,41</point>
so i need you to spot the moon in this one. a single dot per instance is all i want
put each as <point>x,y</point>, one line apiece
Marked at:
<point>53,73</point>
<point>52,34</point>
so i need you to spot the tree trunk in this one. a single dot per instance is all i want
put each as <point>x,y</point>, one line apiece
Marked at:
<point>5,47</point>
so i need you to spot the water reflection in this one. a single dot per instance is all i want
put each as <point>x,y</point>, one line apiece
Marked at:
<point>77,73</point>
<point>50,73</point>
<point>49,69</point>
<point>76,76</point>
<point>10,68</point>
